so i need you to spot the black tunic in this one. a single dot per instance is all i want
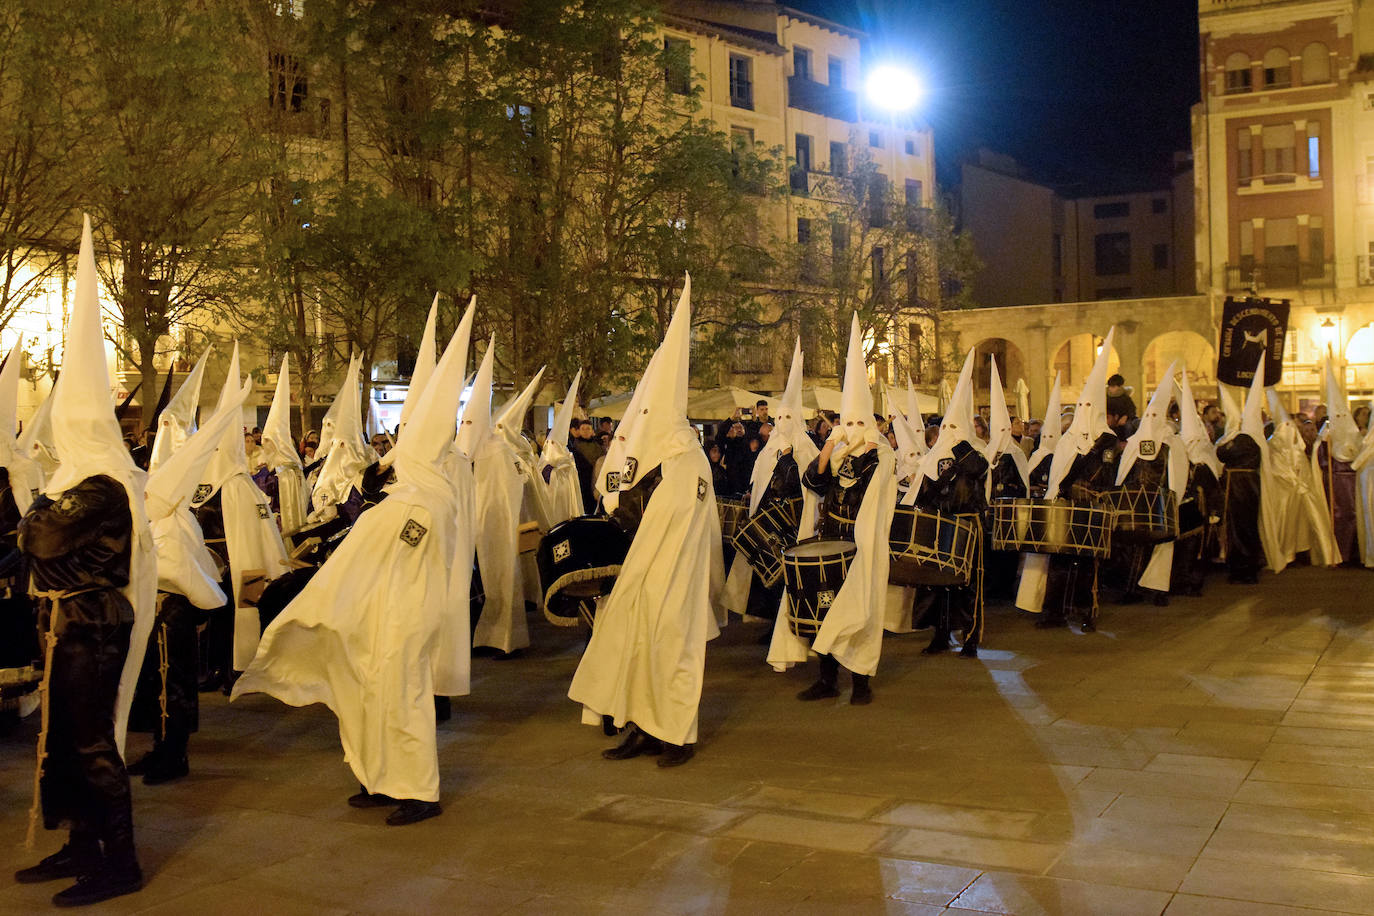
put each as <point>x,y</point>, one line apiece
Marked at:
<point>1240,485</point>
<point>79,547</point>
<point>842,492</point>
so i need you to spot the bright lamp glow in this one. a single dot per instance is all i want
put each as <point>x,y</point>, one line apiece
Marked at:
<point>893,88</point>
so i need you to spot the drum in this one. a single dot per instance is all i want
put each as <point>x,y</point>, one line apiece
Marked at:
<point>527,537</point>
<point>813,572</point>
<point>579,559</point>
<point>932,549</point>
<point>1144,513</point>
<point>733,514</point>
<point>1064,526</point>
<point>762,539</point>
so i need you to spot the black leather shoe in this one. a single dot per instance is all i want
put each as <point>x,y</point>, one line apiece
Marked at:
<point>1089,626</point>
<point>67,862</point>
<point>970,650</point>
<point>412,812</point>
<point>675,755</point>
<point>142,764</point>
<point>366,799</point>
<point>862,695</point>
<point>636,743</point>
<point>166,769</point>
<point>102,885</point>
<point>821,690</point>
<point>213,681</point>
<point>1048,622</point>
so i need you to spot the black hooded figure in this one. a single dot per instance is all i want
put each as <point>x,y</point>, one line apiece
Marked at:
<point>1240,497</point>
<point>957,491</point>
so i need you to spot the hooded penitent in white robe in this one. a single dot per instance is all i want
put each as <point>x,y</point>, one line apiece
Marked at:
<point>26,478</point>
<point>607,485</point>
<point>852,631</point>
<point>86,437</point>
<point>563,492</point>
<point>37,446</point>
<point>1152,438</point>
<point>1363,465</point>
<point>1000,441</point>
<point>279,451</point>
<point>646,659</point>
<point>500,488</point>
<point>789,436</point>
<point>178,419</point>
<point>347,454</point>
<point>1089,423</point>
<point>185,566</point>
<point>1335,481</point>
<point>1294,505</point>
<point>363,635</point>
<point>534,503</point>
<point>251,537</point>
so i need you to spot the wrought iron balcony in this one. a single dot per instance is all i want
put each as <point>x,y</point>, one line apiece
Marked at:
<point>1280,276</point>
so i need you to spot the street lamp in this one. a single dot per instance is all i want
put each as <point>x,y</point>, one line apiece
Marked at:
<point>1328,335</point>
<point>894,89</point>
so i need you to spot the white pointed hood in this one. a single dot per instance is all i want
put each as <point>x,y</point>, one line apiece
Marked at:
<point>178,418</point>
<point>913,412</point>
<point>789,432</point>
<point>1049,426</point>
<point>277,443</point>
<point>425,361</point>
<point>1232,411</point>
<point>556,443</point>
<point>350,453</point>
<point>87,437</point>
<point>511,420</point>
<point>1339,430</point>
<point>1000,441</point>
<point>661,430</point>
<point>230,457</point>
<point>1252,416</point>
<point>856,398</point>
<point>1193,433</point>
<point>956,427</point>
<point>1089,419</point>
<point>328,426</point>
<point>1146,443</point>
<point>25,474</point>
<point>422,453</point>
<point>608,481</point>
<point>37,444</point>
<point>475,425</point>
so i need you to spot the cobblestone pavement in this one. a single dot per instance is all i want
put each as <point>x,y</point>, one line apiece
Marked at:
<point>1212,757</point>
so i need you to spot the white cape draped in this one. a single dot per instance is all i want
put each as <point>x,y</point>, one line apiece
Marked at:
<point>500,489</point>
<point>369,655</point>
<point>853,627</point>
<point>647,656</point>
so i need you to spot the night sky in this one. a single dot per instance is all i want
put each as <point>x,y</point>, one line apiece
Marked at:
<point>1094,93</point>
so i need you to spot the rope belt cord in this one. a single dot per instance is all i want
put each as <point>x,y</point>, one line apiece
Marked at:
<point>55,597</point>
<point>163,664</point>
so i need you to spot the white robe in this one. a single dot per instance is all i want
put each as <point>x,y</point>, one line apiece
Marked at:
<point>853,627</point>
<point>563,492</point>
<point>254,542</point>
<point>647,656</point>
<point>361,638</point>
<point>500,489</point>
<point>1294,516</point>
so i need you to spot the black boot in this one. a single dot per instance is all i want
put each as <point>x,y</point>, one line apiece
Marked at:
<point>412,811</point>
<point>970,649</point>
<point>166,767</point>
<point>863,693</point>
<point>824,688</point>
<point>675,755</point>
<point>79,856</point>
<point>939,643</point>
<point>104,884</point>
<point>636,742</point>
<point>608,726</point>
<point>366,799</point>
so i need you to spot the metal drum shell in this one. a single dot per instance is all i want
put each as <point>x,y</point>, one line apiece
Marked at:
<point>762,539</point>
<point>1055,526</point>
<point>1144,514</point>
<point>733,514</point>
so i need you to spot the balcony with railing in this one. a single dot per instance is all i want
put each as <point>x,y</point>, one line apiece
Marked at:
<point>818,98</point>
<point>1303,274</point>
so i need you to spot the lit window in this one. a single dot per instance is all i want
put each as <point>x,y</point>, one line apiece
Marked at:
<point>1314,151</point>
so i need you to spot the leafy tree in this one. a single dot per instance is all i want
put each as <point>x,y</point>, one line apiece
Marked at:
<point>894,262</point>
<point>174,153</point>
<point>39,133</point>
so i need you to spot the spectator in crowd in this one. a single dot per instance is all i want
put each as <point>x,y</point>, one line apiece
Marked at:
<point>1116,388</point>
<point>980,427</point>
<point>715,457</point>
<point>1361,417</point>
<point>1213,420</point>
<point>739,459</point>
<point>586,452</point>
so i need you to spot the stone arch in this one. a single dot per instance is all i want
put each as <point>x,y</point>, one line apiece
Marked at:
<point>1073,360</point>
<point>1192,350</point>
<point>1011,362</point>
